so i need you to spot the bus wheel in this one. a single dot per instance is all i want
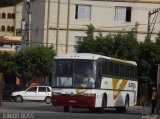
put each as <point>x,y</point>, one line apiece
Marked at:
<point>125,108</point>
<point>104,103</point>
<point>66,108</point>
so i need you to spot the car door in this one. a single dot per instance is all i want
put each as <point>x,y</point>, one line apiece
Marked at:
<point>42,93</point>
<point>49,91</point>
<point>30,93</point>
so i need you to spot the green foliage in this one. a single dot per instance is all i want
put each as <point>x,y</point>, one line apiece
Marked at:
<point>7,66</point>
<point>88,43</point>
<point>34,61</point>
<point>125,46</point>
<point>7,63</point>
<point>119,45</point>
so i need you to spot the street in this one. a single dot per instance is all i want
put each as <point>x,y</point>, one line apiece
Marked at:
<point>40,110</point>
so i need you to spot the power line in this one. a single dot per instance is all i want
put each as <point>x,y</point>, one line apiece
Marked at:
<point>98,27</point>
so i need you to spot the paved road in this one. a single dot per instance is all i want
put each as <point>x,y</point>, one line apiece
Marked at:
<point>40,110</point>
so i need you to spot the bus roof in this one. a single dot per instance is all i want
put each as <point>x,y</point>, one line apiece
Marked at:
<point>90,56</point>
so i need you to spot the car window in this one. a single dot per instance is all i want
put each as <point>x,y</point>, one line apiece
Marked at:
<point>48,90</point>
<point>32,89</point>
<point>42,89</point>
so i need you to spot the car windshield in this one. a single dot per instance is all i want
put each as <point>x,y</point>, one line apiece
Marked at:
<point>74,73</point>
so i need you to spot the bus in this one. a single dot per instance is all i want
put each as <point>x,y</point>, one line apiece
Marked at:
<point>96,82</point>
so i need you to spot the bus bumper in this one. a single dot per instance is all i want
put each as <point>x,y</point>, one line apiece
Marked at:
<point>74,101</point>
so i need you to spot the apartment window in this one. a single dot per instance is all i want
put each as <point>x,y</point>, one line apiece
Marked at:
<point>18,32</point>
<point>3,15</point>
<point>3,28</point>
<point>12,28</point>
<point>9,16</point>
<point>123,14</point>
<point>8,28</point>
<point>83,12</point>
<point>13,15</point>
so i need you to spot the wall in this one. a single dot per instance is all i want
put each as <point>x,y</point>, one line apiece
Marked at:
<point>13,22</point>
<point>102,17</point>
<point>37,22</point>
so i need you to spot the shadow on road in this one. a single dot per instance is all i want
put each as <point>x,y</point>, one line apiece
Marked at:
<point>41,107</point>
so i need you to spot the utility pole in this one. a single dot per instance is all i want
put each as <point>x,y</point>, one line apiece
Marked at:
<point>1,84</point>
<point>48,20</point>
<point>57,32</point>
<point>25,23</point>
<point>68,21</point>
<point>151,24</point>
<point>158,89</point>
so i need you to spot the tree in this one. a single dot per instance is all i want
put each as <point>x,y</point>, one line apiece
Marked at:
<point>7,66</point>
<point>123,46</point>
<point>149,56</point>
<point>87,44</point>
<point>34,61</point>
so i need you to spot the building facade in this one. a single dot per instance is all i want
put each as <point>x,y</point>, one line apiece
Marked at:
<point>63,22</point>
<point>10,28</point>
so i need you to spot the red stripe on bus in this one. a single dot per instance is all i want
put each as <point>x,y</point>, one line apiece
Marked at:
<point>74,101</point>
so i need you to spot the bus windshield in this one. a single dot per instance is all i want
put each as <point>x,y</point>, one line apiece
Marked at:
<point>74,73</point>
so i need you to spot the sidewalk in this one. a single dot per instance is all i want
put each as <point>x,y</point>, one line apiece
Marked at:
<point>144,111</point>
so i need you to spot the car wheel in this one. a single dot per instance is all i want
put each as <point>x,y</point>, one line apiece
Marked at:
<point>19,98</point>
<point>48,100</point>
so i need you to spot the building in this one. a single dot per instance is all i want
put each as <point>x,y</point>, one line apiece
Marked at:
<point>10,44</point>
<point>63,22</point>
<point>10,28</point>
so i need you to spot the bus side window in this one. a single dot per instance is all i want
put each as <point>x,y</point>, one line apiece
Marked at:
<point>99,74</point>
<point>53,73</point>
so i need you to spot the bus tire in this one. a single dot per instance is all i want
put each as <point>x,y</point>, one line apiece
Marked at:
<point>124,109</point>
<point>126,106</point>
<point>66,108</point>
<point>104,104</point>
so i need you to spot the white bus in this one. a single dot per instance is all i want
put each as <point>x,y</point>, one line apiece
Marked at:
<point>93,81</point>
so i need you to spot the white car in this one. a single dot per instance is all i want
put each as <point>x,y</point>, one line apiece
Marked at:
<point>39,93</point>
